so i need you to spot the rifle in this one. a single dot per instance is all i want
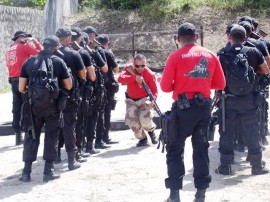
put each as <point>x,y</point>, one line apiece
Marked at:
<point>214,118</point>
<point>148,91</point>
<point>31,127</point>
<point>223,96</point>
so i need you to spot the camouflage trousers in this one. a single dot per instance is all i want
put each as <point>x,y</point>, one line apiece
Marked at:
<point>139,116</point>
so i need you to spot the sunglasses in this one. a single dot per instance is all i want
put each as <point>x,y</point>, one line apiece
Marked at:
<point>139,66</point>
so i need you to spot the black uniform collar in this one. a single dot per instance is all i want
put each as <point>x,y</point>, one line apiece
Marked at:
<point>236,47</point>
<point>46,52</point>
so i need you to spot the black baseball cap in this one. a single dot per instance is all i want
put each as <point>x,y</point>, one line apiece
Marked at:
<point>247,25</point>
<point>229,28</point>
<point>51,41</point>
<point>90,30</point>
<point>245,18</point>
<point>20,33</point>
<point>103,38</point>
<point>238,32</point>
<point>64,31</point>
<point>187,29</point>
<point>85,38</point>
<point>77,31</point>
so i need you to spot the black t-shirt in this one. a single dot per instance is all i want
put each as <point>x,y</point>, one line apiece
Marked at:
<point>73,59</point>
<point>85,57</point>
<point>111,65</point>
<point>260,46</point>
<point>97,60</point>
<point>102,53</point>
<point>60,69</point>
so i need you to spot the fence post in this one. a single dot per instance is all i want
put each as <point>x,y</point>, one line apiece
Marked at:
<point>133,44</point>
<point>201,30</point>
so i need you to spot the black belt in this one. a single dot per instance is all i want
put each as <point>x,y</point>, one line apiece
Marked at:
<point>12,79</point>
<point>206,100</point>
<point>134,99</point>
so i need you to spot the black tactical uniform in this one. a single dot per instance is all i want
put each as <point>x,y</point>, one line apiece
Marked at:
<point>240,107</point>
<point>96,102</point>
<point>48,117</point>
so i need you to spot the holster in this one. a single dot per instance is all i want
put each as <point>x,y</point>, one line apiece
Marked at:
<point>168,132</point>
<point>114,104</point>
<point>259,98</point>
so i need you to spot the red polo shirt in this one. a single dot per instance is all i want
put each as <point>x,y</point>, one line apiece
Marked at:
<point>135,90</point>
<point>192,69</point>
<point>17,54</point>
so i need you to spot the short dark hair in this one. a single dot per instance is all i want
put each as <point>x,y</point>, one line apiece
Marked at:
<point>139,56</point>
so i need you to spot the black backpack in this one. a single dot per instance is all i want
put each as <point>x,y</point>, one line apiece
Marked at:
<point>240,76</point>
<point>43,88</point>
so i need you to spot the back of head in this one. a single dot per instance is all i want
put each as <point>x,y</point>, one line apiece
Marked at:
<point>50,41</point>
<point>77,33</point>
<point>229,28</point>
<point>248,26</point>
<point>64,32</point>
<point>85,39</point>
<point>187,29</point>
<point>238,33</point>
<point>103,39</point>
<point>245,18</point>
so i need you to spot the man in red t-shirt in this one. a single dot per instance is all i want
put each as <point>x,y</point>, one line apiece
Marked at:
<point>190,72</point>
<point>16,54</point>
<point>139,109</point>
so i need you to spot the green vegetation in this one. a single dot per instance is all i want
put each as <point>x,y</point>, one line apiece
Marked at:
<point>161,8</point>
<point>169,8</point>
<point>38,4</point>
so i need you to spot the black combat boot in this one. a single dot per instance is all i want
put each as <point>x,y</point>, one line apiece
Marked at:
<point>225,165</point>
<point>101,145</point>
<point>174,196</point>
<point>109,141</point>
<point>58,160</point>
<point>90,149</point>
<point>200,195</point>
<point>153,137</point>
<point>72,163</point>
<point>143,142</point>
<point>19,139</point>
<point>26,177</point>
<point>79,158</point>
<point>258,166</point>
<point>83,154</point>
<point>48,173</point>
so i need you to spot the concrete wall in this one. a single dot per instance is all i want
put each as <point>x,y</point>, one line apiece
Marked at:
<point>37,22</point>
<point>13,19</point>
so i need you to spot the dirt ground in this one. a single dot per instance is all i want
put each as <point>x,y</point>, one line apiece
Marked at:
<point>125,173</point>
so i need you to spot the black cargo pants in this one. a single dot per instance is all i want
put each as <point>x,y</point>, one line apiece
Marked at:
<point>190,122</point>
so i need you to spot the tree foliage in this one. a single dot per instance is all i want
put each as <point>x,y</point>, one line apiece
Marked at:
<point>39,4</point>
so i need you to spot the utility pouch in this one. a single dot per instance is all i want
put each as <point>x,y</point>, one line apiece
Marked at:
<point>168,132</point>
<point>259,98</point>
<point>88,91</point>
<point>199,99</point>
<point>114,87</point>
<point>25,120</point>
<point>183,102</point>
<point>74,95</point>
<point>62,102</point>
<point>114,104</point>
